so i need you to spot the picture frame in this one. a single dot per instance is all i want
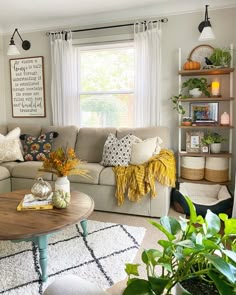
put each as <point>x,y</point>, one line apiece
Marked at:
<point>204,112</point>
<point>205,149</point>
<point>27,87</point>
<point>193,141</point>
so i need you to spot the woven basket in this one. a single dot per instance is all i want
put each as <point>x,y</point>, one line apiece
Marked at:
<point>192,168</point>
<point>217,175</point>
<point>216,169</point>
<point>192,174</point>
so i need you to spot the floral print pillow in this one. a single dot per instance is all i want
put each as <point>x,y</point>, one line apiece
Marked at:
<point>37,148</point>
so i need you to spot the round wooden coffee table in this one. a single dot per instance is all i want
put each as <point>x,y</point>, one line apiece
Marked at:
<point>37,225</point>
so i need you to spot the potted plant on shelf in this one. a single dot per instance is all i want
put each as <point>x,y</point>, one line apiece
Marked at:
<point>214,140</point>
<point>221,57</point>
<point>187,121</point>
<point>196,86</point>
<point>195,252</point>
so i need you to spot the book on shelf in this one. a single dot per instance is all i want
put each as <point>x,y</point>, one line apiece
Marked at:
<point>205,122</point>
<point>30,203</point>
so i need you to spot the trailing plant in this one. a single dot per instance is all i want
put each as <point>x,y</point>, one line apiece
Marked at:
<point>221,57</point>
<point>177,105</point>
<point>200,83</point>
<point>193,248</point>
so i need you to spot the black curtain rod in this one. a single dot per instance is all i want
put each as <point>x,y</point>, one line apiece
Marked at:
<point>162,20</point>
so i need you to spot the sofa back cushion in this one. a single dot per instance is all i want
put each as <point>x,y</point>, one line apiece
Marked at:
<point>147,132</point>
<point>90,143</point>
<point>66,136</point>
<point>3,129</point>
<point>32,129</point>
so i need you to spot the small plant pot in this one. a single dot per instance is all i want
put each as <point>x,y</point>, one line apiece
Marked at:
<point>195,92</point>
<point>186,123</point>
<point>215,148</point>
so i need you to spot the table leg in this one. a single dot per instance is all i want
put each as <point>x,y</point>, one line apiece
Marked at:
<point>42,242</point>
<point>83,224</point>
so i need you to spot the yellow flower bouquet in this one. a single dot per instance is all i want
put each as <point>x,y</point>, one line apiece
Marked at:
<point>63,162</point>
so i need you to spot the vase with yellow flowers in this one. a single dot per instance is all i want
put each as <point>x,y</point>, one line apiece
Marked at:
<point>63,162</point>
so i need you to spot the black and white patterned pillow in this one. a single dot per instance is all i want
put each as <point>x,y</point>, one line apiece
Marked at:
<point>117,152</point>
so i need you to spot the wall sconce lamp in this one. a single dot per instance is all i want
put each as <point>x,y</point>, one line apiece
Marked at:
<point>205,28</point>
<point>13,50</point>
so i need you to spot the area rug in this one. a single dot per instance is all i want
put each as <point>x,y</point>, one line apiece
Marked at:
<point>100,257</point>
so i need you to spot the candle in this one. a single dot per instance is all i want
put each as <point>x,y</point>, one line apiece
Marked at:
<point>215,88</point>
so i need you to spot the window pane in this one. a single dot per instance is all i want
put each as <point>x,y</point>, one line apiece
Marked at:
<point>110,110</point>
<point>110,69</point>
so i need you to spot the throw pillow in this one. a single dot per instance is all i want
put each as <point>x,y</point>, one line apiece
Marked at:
<point>37,148</point>
<point>143,150</point>
<point>117,152</point>
<point>13,134</point>
<point>10,150</point>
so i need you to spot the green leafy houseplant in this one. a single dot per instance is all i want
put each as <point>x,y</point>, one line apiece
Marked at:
<point>221,57</point>
<point>194,248</point>
<point>190,84</point>
<point>177,106</point>
<point>212,137</point>
<point>200,83</point>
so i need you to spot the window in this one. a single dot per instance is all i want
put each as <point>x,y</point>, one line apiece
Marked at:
<point>107,85</point>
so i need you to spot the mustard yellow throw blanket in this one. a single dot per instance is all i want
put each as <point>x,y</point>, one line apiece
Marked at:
<point>138,180</point>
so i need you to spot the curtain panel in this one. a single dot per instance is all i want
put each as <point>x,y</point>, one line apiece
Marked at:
<point>147,39</point>
<point>64,82</point>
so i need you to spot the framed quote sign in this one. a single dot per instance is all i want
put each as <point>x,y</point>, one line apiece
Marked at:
<point>27,87</point>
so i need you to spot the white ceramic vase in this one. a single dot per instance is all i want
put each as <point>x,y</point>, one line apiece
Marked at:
<point>215,148</point>
<point>62,183</point>
<point>195,92</point>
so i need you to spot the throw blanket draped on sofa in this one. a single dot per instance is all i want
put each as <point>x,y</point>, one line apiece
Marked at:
<point>138,180</point>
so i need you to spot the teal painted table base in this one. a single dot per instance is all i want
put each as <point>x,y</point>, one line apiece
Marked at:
<point>42,243</point>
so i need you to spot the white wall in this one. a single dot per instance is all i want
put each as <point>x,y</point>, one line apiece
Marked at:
<point>2,85</point>
<point>180,31</point>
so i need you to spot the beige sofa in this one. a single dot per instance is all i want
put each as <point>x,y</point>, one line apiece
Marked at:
<point>88,144</point>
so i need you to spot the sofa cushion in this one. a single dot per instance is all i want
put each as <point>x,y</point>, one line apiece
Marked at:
<point>37,148</point>
<point>29,170</point>
<point>147,132</point>
<point>143,150</point>
<point>4,173</point>
<point>10,150</point>
<point>107,177</point>
<point>13,134</point>
<point>66,136</point>
<point>94,170</point>
<point>90,143</point>
<point>9,165</point>
<point>117,152</point>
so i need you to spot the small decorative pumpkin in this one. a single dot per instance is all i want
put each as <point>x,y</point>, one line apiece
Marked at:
<point>41,190</point>
<point>60,199</point>
<point>192,65</point>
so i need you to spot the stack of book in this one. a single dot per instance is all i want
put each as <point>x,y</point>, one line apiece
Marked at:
<point>29,202</point>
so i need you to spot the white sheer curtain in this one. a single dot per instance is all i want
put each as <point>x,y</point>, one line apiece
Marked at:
<point>147,39</point>
<point>64,83</point>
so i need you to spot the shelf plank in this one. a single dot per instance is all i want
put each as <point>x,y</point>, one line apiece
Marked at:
<point>203,181</point>
<point>220,155</point>
<point>206,126</point>
<point>206,99</point>
<point>219,71</point>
